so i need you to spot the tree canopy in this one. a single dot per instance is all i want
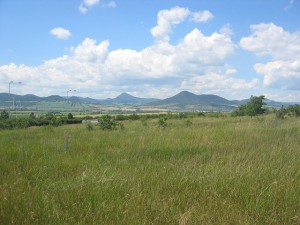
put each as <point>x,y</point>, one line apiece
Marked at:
<point>252,108</point>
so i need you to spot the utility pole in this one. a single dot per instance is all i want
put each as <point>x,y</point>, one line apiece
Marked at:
<point>68,94</point>
<point>9,96</point>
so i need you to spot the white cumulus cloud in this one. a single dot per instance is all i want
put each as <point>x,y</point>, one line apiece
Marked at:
<point>85,5</point>
<point>165,19</point>
<point>61,33</point>
<point>111,4</point>
<point>83,9</point>
<point>91,2</point>
<point>284,49</point>
<point>285,74</point>
<point>169,17</point>
<point>269,39</point>
<point>202,17</point>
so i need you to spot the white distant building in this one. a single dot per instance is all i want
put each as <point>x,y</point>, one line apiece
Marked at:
<point>90,121</point>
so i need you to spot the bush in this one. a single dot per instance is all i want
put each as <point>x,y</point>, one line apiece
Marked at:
<point>188,123</point>
<point>89,126</point>
<point>70,116</point>
<point>134,116</point>
<point>108,122</point>
<point>162,122</point>
<point>4,115</point>
<point>200,114</point>
<point>182,115</point>
<point>121,117</point>
<point>294,110</point>
<point>281,113</point>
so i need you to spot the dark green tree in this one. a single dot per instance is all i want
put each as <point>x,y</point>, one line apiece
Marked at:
<point>70,116</point>
<point>294,110</point>
<point>107,122</point>
<point>4,115</point>
<point>31,116</point>
<point>254,107</point>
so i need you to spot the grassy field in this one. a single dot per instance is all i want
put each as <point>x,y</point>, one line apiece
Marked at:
<point>213,171</point>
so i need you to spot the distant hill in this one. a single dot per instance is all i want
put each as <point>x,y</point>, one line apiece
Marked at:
<point>53,98</point>
<point>188,101</point>
<point>125,98</point>
<point>183,101</point>
<point>188,98</point>
<point>29,98</point>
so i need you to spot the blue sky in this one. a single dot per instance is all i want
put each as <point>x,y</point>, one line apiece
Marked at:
<point>155,48</point>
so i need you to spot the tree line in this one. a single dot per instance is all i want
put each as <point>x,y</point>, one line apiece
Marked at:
<point>256,106</point>
<point>8,122</point>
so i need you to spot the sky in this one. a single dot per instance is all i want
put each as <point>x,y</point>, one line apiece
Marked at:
<point>151,48</point>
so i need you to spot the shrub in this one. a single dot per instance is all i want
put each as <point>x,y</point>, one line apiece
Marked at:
<point>70,116</point>
<point>108,122</point>
<point>4,115</point>
<point>121,117</point>
<point>188,123</point>
<point>200,114</point>
<point>162,122</point>
<point>134,116</point>
<point>294,110</point>
<point>55,121</point>
<point>281,113</point>
<point>182,115</point>
<point>89,126</point>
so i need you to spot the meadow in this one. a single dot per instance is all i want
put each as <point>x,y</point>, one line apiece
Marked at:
<point>202,170</point>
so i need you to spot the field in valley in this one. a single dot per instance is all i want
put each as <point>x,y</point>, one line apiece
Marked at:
<point>200,170</point>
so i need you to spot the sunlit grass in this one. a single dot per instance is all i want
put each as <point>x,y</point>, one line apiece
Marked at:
<point>214,171</point>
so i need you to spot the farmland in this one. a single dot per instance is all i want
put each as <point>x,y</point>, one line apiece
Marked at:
<point>200,170</point>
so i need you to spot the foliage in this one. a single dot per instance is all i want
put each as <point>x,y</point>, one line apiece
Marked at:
<point>50,115</point>
<point>200,114</point>
<point>162,122</point>
<point>188,123</point>
<point>255,105</point>
<point>281,113</point>
<point>89,126</point>
<point>134,116</point>
<point>31,116</point>
<point>292,111</point>
<point>253,108</point>
<point>56,121</point>
<point>121,117</point>
<point>14,123</point>
<point>4,115</point>
<point>70,116</point>
<point>108,122</point>
<point>182,115</point>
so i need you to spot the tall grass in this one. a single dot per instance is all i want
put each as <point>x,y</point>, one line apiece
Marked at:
<point>214,171</point>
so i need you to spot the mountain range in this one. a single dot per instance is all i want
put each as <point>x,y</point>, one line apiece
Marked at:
<point>183,101</point>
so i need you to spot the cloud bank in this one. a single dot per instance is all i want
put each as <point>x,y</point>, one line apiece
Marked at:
<point>197,63</point>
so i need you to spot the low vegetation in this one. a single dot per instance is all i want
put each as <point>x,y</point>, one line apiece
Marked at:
<point>212,169</point>
<point>7,122</point>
